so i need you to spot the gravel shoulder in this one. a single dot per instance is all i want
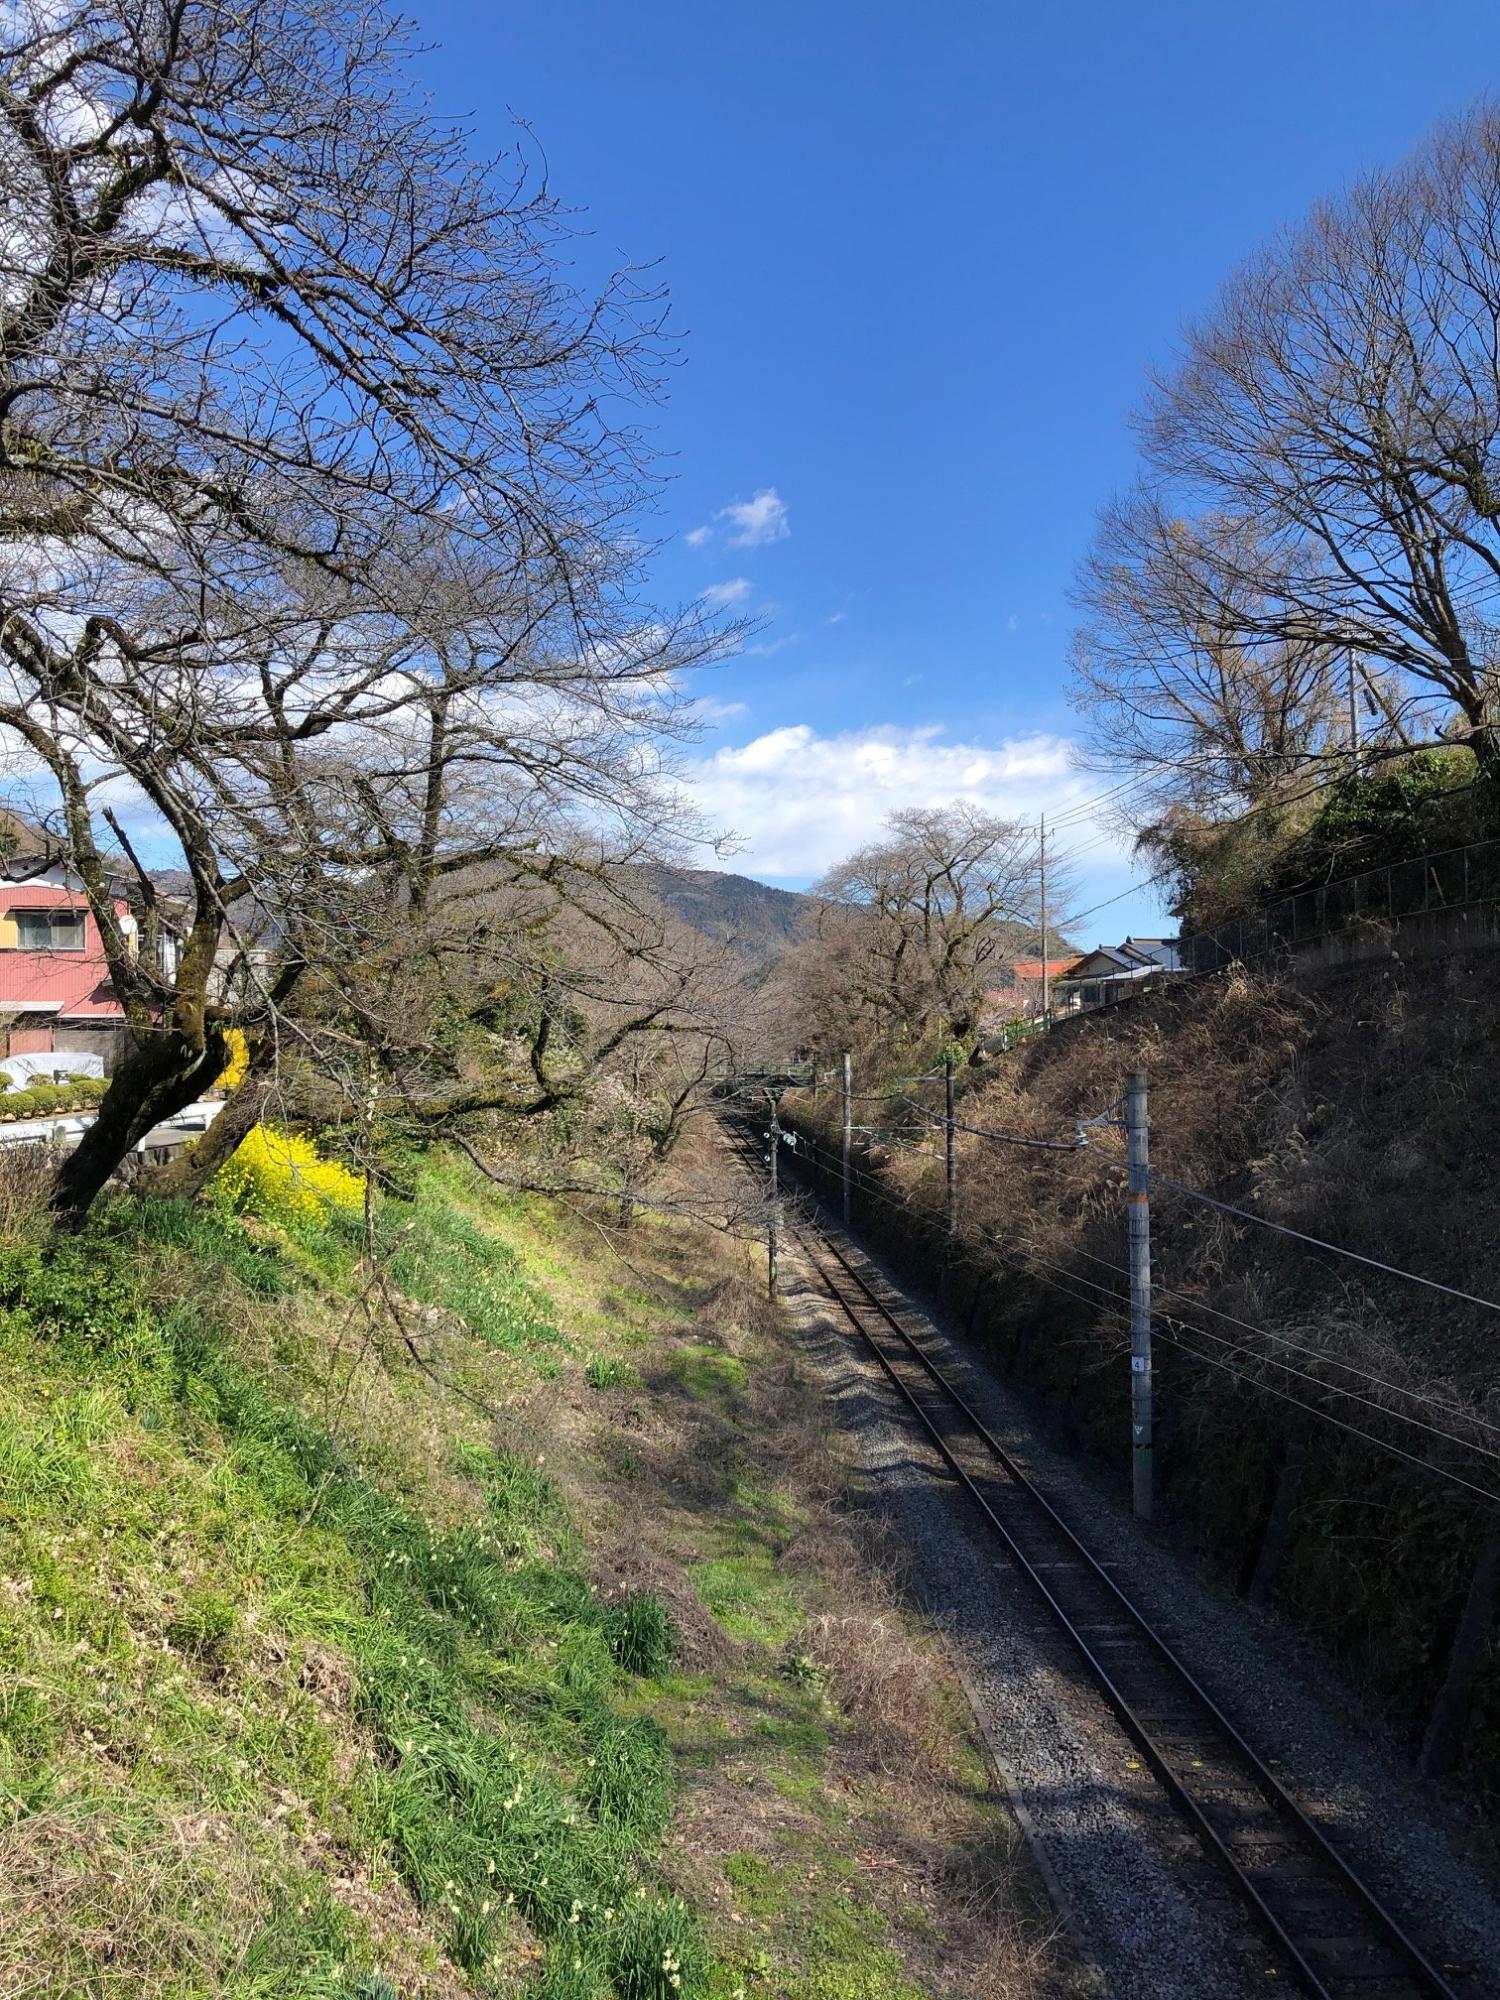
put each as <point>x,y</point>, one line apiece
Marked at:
<point>1142,1905</point>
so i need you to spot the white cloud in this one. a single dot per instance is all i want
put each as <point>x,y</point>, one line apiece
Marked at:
<point>801,800</point>
<point>1013,623</point>
<point>710,712</point>
<point>749,523</point>
<point>719,596</point>
<point>752,522</point>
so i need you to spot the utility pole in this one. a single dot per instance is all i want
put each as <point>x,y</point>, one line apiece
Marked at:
<point>950,1157</point>
<point>773,1225</point>
<point>1137,1158</point>
<point>848,1083</point>
<point>1046,948</point>
<point>1353,659</point>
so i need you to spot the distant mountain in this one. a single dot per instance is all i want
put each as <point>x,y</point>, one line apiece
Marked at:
<point>755,919</point>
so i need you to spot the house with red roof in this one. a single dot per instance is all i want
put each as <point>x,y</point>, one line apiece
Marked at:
<point>55,990</point>
<point>1018,997</point>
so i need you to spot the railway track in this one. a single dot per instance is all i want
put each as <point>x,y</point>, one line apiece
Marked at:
<point>1331,1933</point>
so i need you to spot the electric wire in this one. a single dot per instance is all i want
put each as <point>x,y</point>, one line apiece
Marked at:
<point>1113,1303</point>
<point>1329,1360</point>
<point>1285,1229</point>
<point>1330,1388</point>
<point>1134,889</point>
<point>1027,1265</point>
<point>1316,1354</point>
<point>1003,1138</point>
<point>1327,1417</point>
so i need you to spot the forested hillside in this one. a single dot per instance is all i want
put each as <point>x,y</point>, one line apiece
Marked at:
<point>756,920</point>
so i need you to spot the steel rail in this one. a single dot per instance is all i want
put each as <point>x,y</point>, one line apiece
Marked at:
<point>1265,1781</point>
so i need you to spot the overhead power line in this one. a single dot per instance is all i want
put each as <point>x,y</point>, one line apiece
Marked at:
<point>1327,1417</point>
<point>1318,1243</point>
<point>1111,1306</point>
<point>1313,1354</point>
<point>1321,1354</point>
<point>1331,1388</point>
<point>1077,916</point>
<point>1001,1138</point>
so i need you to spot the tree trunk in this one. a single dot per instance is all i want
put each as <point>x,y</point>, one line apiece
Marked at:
<point>186,1176</point>
<point>159,1078</point>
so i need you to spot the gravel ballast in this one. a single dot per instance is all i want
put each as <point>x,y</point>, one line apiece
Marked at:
<point>1141,1902</point>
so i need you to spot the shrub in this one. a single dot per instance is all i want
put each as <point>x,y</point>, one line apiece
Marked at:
<point>281,1177</point>
<point>41,1100</point>
<point>641,1634</point>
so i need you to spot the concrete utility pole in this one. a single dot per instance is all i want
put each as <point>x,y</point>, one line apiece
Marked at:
<point>1353,707</point>
<point>1046,946</point>
<point>848,1085</point>
<point>1137,1159</point>
<point>950,1156</point>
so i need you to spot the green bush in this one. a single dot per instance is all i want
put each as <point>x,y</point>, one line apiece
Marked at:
<point>1399,809</point>
<point>641,1634</point>
<point>40,1100</point>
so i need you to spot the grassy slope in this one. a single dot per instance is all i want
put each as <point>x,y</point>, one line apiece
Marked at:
<point>328,1624</point>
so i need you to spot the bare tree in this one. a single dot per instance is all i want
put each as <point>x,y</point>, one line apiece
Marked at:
<point>1173,675</point>
<point>1323,484</point>
<point>914,927</point>
<point>317,483</point>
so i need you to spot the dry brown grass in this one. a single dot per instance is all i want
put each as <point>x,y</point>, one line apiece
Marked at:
<point>882,1678</point>
<point>902,1796</point>
<point>25,1182</point>
<point>113,1899</point>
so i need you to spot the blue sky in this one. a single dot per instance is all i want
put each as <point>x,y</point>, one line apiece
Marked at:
<point>923,257</point>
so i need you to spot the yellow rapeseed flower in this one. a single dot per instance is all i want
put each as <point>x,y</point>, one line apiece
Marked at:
<point>281,1177</point>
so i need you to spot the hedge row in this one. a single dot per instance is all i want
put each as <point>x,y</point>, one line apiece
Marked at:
<point>40,1100</point>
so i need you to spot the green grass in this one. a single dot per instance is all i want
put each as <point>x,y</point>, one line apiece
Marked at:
<point>747,1597</point>
<point>442,1258</point>
<point>709,1372</point>
<point>839,1940</point>
<point>191,1549</point>
<point>641,1634</point>
<point>280,1622</point>
<point>605,1372</point>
